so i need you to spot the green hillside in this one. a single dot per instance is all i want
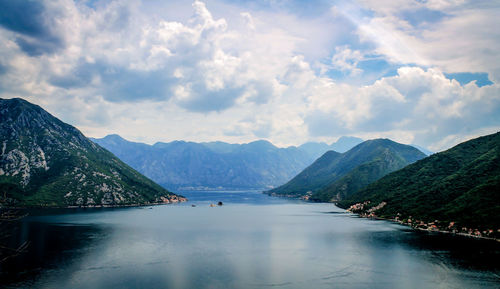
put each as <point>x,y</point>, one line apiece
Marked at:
<point>334,176</point>
<point>313,177</point>
<point>45,162</point>
<point>360,177</point>
<point>460,185</point>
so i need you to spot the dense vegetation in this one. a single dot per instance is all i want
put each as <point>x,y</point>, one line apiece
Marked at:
<point>45,162</point>
<point>313,177</point>
<point>334,176</point>
<point>460,185</point>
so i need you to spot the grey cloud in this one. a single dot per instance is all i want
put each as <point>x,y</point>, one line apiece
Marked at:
<point>117,84</point>
<point>129,85</point>
<point>263,130</point>
<point>324,124</point>
<point>388,113</point>
<point>25,17</point>
<point>39,46</point>
<point>116,17</point>
<point>263,91</point>
<point>191,49</point>
<point>33,24</point>
<point>3,69</point>
<point>203,100</point>
<point>80,76</point>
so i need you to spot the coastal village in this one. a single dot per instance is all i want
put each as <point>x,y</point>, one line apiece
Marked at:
<point>367,210</point>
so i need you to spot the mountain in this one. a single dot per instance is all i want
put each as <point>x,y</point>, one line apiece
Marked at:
<point>317,175</point>
<point>211,165</point>
<point>315,149</point>
<point>46,162</point>
<point>460,185</point>
<point>335,176</point>
<point>220,147</point>
<point>423,149</point>
<point>343,144</point>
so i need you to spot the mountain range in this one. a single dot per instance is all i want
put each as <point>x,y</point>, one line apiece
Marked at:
<point>219,165</point>
<point>459,187</point>
<point>210,165</point>
<point>46,162</point>
<point>335,176</point>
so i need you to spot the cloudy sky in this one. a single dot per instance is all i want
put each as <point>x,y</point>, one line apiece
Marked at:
<point>423,72</point>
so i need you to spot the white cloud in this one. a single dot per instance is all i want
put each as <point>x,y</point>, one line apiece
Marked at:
<point>248,20</point>
<point>421,102</point>
<point>253,74</point>
<point>460,39</point>
<point>347,60</point>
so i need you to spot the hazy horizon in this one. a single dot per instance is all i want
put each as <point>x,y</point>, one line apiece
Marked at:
<point>255,140</point>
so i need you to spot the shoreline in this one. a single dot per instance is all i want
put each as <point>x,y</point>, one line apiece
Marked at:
<point>374,217</point>
<point>181,200</point>
<point>426,230</point>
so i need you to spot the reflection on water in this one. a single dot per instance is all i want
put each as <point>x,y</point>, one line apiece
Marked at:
<point>253,241</point>
<point>51,246</point>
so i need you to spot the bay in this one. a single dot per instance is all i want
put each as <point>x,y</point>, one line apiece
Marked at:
<point>251,241</point>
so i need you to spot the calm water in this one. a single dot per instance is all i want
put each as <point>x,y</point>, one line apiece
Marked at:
<point>253,241</point>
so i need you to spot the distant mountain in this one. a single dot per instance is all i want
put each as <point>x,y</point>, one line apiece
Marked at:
<point>45,162</point>
<point>343,144</point>
<point>315,149</point>
<point>335,176</point>
<point>423,149</point>
<point>220,147</point>
<point>212,165</point>
<point>460,185</point>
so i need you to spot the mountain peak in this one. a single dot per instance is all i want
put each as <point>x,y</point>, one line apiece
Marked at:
<point>45,162</point>
<point>459,185</point>
<point>345,143</point>
<point>182,165</point>
<point>17,101</point>
<point>344,139</point>
<point>335,175</point>
<point>261,144</point>
<point>16,107</point>
<point>114,137</point>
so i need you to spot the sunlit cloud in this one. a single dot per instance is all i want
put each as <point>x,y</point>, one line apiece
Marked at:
<point>240,72</point>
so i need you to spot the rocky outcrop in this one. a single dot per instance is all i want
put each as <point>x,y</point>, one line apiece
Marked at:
<point>45,162</point>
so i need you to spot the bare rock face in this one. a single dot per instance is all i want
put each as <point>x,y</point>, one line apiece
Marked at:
<point>45,162</point>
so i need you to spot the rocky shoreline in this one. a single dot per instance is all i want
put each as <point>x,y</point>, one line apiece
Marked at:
<point>163,201</point>
<point>365,210</point>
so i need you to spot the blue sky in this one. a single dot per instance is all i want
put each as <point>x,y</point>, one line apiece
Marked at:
<point>423,72</point>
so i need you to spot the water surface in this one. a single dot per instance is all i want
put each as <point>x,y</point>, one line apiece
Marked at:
<point>252,241</point>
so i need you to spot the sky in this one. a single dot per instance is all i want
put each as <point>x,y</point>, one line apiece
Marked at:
<point>419,72</point>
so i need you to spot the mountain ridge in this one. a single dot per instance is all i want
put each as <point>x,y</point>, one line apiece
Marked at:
<point>210,165</point>
<point>334,175</point>
<point>343,144</point>
<point>46,162</point>
<point>459,187</point>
